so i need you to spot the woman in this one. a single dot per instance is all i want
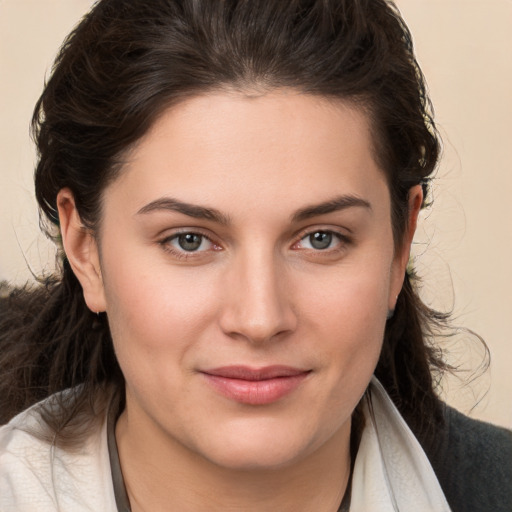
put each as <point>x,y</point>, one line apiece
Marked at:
<point>235,187</point>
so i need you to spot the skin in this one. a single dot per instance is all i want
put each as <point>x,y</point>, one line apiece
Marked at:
<point>255,293</point>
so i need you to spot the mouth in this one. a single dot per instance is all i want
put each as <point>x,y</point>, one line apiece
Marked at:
<point>255,386</point>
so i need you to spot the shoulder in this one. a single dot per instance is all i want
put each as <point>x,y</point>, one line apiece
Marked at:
<point>25,469</point>
<point>37,475</point>
<point>473,462</point>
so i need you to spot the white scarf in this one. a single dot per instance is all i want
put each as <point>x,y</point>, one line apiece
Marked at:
<point>391,471</point>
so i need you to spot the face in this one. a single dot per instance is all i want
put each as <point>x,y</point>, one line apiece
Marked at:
<point>247,268</point>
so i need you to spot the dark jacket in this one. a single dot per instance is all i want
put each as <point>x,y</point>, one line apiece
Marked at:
<point>473,463</point>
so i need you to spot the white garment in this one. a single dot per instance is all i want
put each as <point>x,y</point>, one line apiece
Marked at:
<point>391,472</point>
<point>37,477</point>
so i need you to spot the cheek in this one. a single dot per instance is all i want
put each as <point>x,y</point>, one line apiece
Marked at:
<point>353,298</point>
<point>156,314</point>
<point>349,315</point>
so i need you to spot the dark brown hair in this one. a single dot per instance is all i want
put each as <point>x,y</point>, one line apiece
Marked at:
<point>123,65</point>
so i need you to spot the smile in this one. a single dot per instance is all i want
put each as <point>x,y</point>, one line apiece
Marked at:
<point>258,386</point>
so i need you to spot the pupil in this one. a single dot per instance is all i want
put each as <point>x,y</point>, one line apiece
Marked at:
<point>190,241</point>
<point>320,240</point>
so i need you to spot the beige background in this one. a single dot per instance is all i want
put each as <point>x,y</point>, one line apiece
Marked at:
<point>464,244</point>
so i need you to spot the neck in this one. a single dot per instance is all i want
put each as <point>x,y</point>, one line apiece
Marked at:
<point>192,483</point>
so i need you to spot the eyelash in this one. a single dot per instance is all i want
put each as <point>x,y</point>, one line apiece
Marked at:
<point>165,243</point>
<point>183,254</point>
<point>342,239</point>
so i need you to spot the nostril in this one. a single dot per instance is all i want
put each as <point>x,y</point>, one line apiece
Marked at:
<point>258,323</point>
<point>257,303</point>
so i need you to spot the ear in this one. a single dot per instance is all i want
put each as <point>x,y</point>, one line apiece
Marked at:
<point>401,259</point>
<point>81,251</point>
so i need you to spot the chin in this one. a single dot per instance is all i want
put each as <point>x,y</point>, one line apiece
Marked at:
<point>255,459</point>
<point>260,447</point>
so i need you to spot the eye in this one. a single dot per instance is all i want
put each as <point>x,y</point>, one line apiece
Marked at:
<point>187,242</point>
<point>320,240</point>
<point>323,245</point>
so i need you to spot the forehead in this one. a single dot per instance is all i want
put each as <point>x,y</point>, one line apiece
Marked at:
<point>229,145</point>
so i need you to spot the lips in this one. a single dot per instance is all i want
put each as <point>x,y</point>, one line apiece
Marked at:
<point>255,386</point>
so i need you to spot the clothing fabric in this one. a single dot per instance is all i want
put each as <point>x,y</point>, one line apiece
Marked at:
<point>391,471</point>
<point>473,463</point>
<point>38,477</point>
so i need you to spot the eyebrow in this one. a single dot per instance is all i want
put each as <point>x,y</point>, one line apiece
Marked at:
<point>201,212</point>
<point>333,205</point>
<point>191,210</point>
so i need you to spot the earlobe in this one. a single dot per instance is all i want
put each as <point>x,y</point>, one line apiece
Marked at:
<point>81,251</point>
<point>415,201</point>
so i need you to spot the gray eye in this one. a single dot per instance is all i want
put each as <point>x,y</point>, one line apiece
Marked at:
<point>320,240</point>
<point>190,241</point>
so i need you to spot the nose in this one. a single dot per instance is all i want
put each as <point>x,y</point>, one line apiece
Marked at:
<point>258,305</point>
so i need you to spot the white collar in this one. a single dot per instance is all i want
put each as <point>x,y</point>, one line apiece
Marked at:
<point>392,472</point>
